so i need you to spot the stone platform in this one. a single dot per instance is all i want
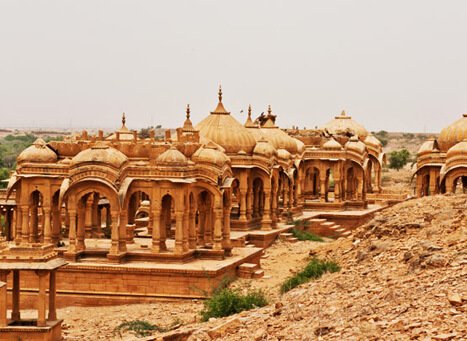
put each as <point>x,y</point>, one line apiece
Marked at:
<point>93,281</point>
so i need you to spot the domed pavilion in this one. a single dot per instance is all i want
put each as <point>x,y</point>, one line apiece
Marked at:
<point>442,162</point>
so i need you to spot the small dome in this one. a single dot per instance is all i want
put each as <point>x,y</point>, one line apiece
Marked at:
<point>277,137</point>
<point>100,153</point>
<point>460,149</point>
<point>354,144</point>
<point>428,147</point>
<point>453,134</point>
<point>38,152</point>
<point>283,154</point>
<point>345,124</point>
<point>172,157</point>
<point>332,144</point>
<point>264,148</point>
<point>372,141</point>
<point>210,154</point>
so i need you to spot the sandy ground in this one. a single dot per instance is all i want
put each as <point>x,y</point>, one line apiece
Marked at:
<point>99,323</point>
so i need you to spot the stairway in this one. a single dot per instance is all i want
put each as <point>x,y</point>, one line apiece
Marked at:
<point>249,270</point>
<point>325,228</point>
<point>287,237</point>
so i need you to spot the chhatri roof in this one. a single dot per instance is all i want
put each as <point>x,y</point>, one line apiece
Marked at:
<point>223,129</point>
<point>453,134</point>
<point>37,152</point>
<point>124,133</point>
<point>100,152</point>
<point>278,138</point>
<point>344,123</point>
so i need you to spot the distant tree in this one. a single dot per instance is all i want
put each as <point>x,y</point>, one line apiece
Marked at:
<point>4,174</point>
<point>144,132</point>
<point>398,159</point>
<point>382,136</point>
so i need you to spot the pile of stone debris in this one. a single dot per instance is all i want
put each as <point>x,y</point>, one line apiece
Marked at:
<point>404,276</point>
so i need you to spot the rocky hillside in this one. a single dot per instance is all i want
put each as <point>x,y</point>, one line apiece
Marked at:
<point>404,276</point>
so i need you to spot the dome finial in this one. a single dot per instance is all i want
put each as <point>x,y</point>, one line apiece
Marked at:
<point>220,93</point>
<point>269,109</point>
<point>343,113</point>
<point>249,111</point>
<point>123,119</point>
<point>188,111</point>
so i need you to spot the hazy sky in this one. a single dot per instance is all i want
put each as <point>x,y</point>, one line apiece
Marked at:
<point>398,65</point>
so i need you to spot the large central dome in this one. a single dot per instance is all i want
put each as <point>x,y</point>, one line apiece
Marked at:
<point>453,134</point>
<point>221,128</point>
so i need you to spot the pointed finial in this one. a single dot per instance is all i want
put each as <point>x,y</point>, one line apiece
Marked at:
<point>269,109</point>
<point>220,93</point>
<point>188,111</point>
<point>249,111</point>
<point>343,113</point>
<point>123,119</point>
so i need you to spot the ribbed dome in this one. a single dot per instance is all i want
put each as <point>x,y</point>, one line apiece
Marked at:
<point>278,138</point>
<point>264,148</point>
<point>172,157</point>
<point>332,144</point>
<point>210,154</point>
<point>372,141</point>
<point>226,131</point>
<point>460,149</point>
<point>343,123</point>
<point>453,134</point>
<point>355,145</point>
<point>37,152</point>
<point>428,147</point>
<point>100,153</point>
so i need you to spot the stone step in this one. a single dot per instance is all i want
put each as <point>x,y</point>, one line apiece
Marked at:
<point>248,267</point>
<point>327,224</point>
<point>335,227</point>
<point>285,235</point>
<point>258,274</point>
<point>292,240</point>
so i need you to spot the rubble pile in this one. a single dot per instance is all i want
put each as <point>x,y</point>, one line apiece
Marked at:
<point>403,276</point>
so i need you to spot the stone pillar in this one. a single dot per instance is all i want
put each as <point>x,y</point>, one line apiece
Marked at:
<point>274,217</point>
<point>56,224</point>
<point>99,233</point>
<point>243,217</point>
<point>186,228</point>
<point>217,229</point>
<point>266,222</point>
<point>322,189</point>
<point>52,296</point>
<point>33,226</point>
<point>226,242</point>
<point>255,203</point>
<point>15,311</point>
<point>80,231</point>
<point>19,224</point>
<point>156,231</point>
<point>249,205</point>
<point>123,231</point>
<point>3,299</point>
<point>115,237</point>
<point>88,216</point>
<point>337,190</point>
<point>72,231</point>
<point>47,226</point>
<point>42,299</point>
<point>179,232</point>
<point>192,229</point>
<point>25,223</point>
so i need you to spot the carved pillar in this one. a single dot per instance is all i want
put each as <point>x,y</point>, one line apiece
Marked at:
<point>3,299</point>
<point>156,231</point>
<point>226,243</point>
<point>80,230</point>
<point>72,232</point>
<point>15,312</point>
<point>217,229</point>
<point>249,204</point>
<point>186,227</point>
<point>192,229</point>
<point>19,224</point>
<point>323,189</point>
<point>42,299</point>
<point>243,206</point>
<point>123,231</point>
<point>179,232</point>
<point>56,224</point>
<point>52,296</point>
<point>47,226</point>
<point>115,237</point>
<point>266,222</point>
<point>34,224</point>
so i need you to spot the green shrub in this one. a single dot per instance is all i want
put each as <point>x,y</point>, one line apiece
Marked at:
<point>303,235</point>
<point>398,158</point>
<point>314,269</point>
<point>226,302</point>
<point>138,327</point>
